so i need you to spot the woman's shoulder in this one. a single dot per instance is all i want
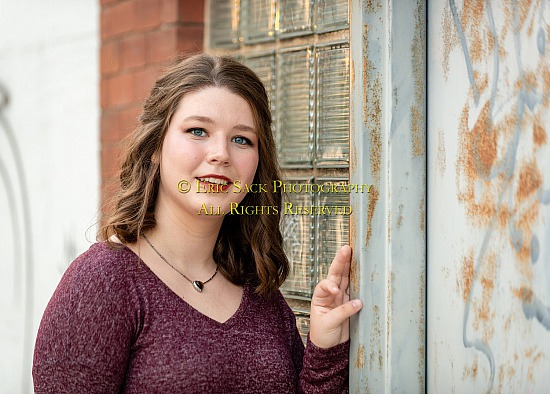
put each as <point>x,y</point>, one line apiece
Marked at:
<point>101,265</point>
<point>104,258</point>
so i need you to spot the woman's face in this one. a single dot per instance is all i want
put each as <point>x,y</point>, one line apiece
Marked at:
<point>211,145</point>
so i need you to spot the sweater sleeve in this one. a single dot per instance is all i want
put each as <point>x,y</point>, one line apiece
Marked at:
<point>84,339</point>
<point>325,370</point>
<point>320,371</point>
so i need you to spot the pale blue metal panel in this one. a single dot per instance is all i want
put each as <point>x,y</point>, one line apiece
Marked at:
<point>489,197</point>
<point>387,150</point>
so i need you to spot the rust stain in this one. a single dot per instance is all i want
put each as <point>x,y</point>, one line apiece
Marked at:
<point>481,80</point>
<point>373,6</point>
<point>478,150</point>
<point>422,214</point>
<point>421,329</point>
<point>472,13</point>
<point>532,356</point>
<point>523,7</point>
<point>470,372</point>
<point>372,115</point>
<point>477,50</point>
<point>466,276</point>
<point>546,79</point>
<point>417,129</point>
<point>530,180</point>
<point>365,72</point>
<point>373,199</point>
<point>504,215</point>
<point>418,50</point>
<point>505,372</point>
<point>484,143</point>
<point>354,273</point>
<point>400,216</point>
<point>353,156</point>
<point>375,340</point>
<point>482,308</point>
<point>450,38</point>
<point>539,134</point>
<point>360,357</point>
<point>441,156</point>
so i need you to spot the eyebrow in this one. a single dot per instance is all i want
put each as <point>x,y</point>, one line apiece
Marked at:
<point>206,119</point>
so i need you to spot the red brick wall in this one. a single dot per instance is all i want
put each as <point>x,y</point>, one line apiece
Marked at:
<point>137,38</point>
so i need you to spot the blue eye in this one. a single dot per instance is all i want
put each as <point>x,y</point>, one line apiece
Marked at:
<point>242,141</point>
<point>197,132</point>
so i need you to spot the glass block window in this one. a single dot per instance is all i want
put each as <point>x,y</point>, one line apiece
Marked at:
<point>258,20</point>
<point>298,234</point>
<point>301,310</point>
<point>295,17</point>
<point>332,229</point>
<point>264,66</point>
<point>331,15</point>
<point>332,111</point>
<point>225,16</point>
<point>300,50</point>
<point>295,110</point>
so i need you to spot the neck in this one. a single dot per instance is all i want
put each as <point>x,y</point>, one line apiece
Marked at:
<point>186,241</point>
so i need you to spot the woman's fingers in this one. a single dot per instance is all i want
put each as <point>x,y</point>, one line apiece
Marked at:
<point>338,315</point>
<point>339,269</point>
<point>325,292</point>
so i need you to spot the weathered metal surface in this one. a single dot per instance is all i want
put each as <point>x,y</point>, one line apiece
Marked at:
<point>387,228</point>
<point>489,196</point>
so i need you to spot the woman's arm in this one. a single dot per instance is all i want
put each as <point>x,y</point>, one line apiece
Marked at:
<point>84,339</point>
<point>325,366</point>
<point>330,304</point>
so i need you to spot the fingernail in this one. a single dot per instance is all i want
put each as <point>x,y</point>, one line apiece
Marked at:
<point>334,288</point>
<point>356,304</point>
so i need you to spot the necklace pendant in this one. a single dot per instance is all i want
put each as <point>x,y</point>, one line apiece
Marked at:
<point>198,285</point>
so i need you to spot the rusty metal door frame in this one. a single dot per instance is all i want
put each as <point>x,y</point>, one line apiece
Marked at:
<point>387,228</point>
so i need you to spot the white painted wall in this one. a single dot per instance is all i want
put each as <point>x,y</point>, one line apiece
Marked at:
<point>49,167</point>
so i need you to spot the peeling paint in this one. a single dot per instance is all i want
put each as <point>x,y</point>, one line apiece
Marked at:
<point>360,357</point>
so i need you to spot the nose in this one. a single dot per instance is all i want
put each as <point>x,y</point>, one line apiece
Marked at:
<point>218,152</point>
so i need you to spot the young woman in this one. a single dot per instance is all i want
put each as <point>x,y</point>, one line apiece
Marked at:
<point>181,294</point>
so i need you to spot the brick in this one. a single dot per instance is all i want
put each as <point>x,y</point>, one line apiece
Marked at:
<point>144,82</point>
<point>118,19</point>
<point>190,39</point>
<point>104,94</point>
<point>147,14</point>
<point>128,120</point>
<point>110,127</point>
<point>161,45</point>
<point>169,11</point>
<point>109,58</point>
<point>119,90</point>
<point>132,52</point>
<point>191,11</point>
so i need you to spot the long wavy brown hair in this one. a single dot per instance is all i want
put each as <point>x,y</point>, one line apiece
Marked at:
<point>248,248</point>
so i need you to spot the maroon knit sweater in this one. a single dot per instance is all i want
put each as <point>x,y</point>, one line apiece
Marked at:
<point>113,326</point>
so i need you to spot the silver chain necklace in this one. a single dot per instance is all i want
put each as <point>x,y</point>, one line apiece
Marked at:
<point>197,284</point>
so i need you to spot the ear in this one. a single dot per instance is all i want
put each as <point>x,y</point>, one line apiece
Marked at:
<point>155,158</point>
